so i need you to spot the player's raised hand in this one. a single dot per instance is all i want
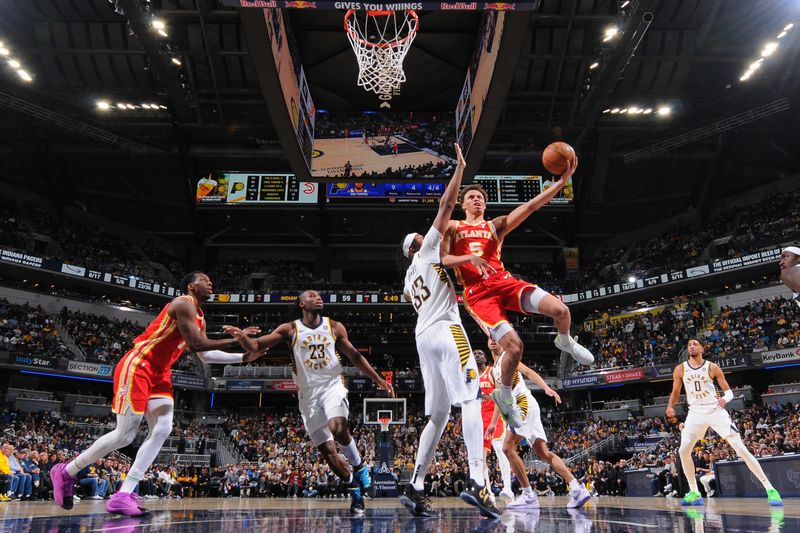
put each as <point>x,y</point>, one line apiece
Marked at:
<point>481,265</point>
<point>572,166</point>
<point>386,386</point>
<point>670,412</point>
<point>553,394</point>
<point>459,156</point>
<point>233,331</point>
<point>251,330</point>
<point>249,357</point>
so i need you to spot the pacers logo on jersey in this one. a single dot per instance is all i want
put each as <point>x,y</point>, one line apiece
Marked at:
<point>315,346</point>
<point>471,374</point>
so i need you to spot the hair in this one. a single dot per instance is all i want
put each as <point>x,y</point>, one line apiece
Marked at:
<point>189,278</point>
<point>695,339</point>
<point>473,187</point>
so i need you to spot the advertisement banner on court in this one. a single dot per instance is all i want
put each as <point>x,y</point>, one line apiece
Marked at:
<point>90,369</point>
<point>625,375</point>
<point>780,356</point>
<point>579,381</point>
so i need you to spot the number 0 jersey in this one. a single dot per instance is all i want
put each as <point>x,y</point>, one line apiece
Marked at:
<point>701,394</point>
<point>429,287</point>
<point>314,359</point>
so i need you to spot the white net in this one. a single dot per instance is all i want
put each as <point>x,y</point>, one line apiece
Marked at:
<point>381,40</point>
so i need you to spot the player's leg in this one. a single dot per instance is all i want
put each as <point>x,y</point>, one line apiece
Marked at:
<point>694,428</point>
<point>158,414</point>
<point>577,492</point>
<point>528,498</point>
<point>536,300</point>
<point>505,467</point>
<point>722,424</point>
<point>337,411</point>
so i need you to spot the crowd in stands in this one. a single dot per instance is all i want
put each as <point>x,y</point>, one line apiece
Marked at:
<point>657,337</point>
<point>30,331</point>
<point>102,339</point>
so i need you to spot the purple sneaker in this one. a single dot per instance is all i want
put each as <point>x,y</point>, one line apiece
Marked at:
<point>63,485</point>
<point>125,503</point>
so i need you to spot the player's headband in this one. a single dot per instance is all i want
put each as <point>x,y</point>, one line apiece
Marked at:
<point>407,243</point>
<point>792,250</point>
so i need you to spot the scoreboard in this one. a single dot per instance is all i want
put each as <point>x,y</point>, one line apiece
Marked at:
<point>255,188</point>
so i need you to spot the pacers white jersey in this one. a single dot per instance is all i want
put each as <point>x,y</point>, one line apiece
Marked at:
<point>428,286</point>
<point>519,390</point>
<point>315,362</point>
<point>700,390</point>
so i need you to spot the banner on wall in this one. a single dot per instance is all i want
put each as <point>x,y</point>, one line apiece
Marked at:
<point>30,360</point>
<point>625,375</point>
<point>579,381</point>
<point>780,356</point>
<point>188,380</point>
<point>90,369</point>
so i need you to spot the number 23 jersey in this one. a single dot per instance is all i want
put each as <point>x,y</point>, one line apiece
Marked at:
<point>428,286</point>
<point>315,362</point>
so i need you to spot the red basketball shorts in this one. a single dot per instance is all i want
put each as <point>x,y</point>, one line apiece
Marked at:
<point>489,300</point>
<point>135,383</point>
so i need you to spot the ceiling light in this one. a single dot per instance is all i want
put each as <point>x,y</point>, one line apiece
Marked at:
<point>788,27</point>
<point>623,110</point>
<point>606,110</point>
<point>162,33</point>
<point>24,75</point>
<point>145,106</point>
<point>176,61</point>
<point>648,110</point>
<point>594,65</point>
<point>14,63</point>
<point>159,24</point>
<point>769,49</point>
<point>625,4</point>
<point>755,64</point>
<point>4,51</point>
<point>103,105</point>
<point>610,33</point>
<point>781,35</point>
<point>121,106</point>
<point>631,279</point>
<point>664,110</point>
<point>746,75</point>
<point>162,106</point>
<point>615,111</point>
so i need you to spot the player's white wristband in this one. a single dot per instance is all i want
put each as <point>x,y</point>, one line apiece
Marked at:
<point>727,396</point>
<point>218,357</point>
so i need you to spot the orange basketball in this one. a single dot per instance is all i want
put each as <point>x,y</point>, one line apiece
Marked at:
<point>556,156</point>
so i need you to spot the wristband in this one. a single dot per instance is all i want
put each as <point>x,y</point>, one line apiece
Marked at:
<point>728,396</point>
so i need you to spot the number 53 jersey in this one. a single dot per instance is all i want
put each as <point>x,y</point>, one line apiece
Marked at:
<point>428,286</point>
<point>315,362</point>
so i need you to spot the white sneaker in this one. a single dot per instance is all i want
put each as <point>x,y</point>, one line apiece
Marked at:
<point>75,498</point>
<point>525,501</point>
<point>578,352</point>
<point>508,409</point>
<point>578,498</point>
<point>507,496</point>
<point>97,497</point>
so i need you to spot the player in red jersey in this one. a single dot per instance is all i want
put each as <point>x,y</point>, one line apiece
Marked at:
<point>143,388</point>
<point>487,386</point>
<point>491,291</point>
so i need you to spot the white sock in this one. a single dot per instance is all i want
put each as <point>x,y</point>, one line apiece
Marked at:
<point>574,485</point>
<point>351,453</point>
<point>505,392</point>
<point>129,485</point>
<point>565,339</point>
<point>472,427</point>
<point>427,445</point>
<point>502,460</point>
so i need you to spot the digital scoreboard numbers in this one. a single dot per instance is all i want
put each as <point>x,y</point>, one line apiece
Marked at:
<point>255,188</point>
<point>501,190</point>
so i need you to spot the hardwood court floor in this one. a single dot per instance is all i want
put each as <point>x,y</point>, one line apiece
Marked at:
<point>656,515</point>
<point>337,152</point>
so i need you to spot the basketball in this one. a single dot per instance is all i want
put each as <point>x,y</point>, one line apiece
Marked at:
<point>556,156</point>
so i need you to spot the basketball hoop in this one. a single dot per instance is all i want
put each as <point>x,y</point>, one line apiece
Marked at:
<point>384,422</point>
<point>381,40</point>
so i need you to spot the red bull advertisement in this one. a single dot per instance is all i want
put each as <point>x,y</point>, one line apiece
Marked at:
<point>385,6</point>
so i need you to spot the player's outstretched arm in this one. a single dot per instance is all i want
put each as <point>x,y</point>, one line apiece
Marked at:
<point>344,345</point>
<point>184,312</point>
<point>677,383</point>
<point>505,225</point>
<point>538,380</point>
<point>448,200</point>
<point>280,334</point>
<point>716,373</point>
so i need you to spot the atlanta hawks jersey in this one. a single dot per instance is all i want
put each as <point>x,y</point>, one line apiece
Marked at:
<point>314,359</point>
<point>429,286</point>
<point>481,240</point>
<point>486,383</point>
<point>700,390</point>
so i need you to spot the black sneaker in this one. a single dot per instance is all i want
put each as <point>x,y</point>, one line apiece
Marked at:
<point>416,502</point>
<point>356,500</point>
<point>479,497</point>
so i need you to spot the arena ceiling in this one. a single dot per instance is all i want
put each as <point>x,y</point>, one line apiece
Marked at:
<point>139,167</point>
